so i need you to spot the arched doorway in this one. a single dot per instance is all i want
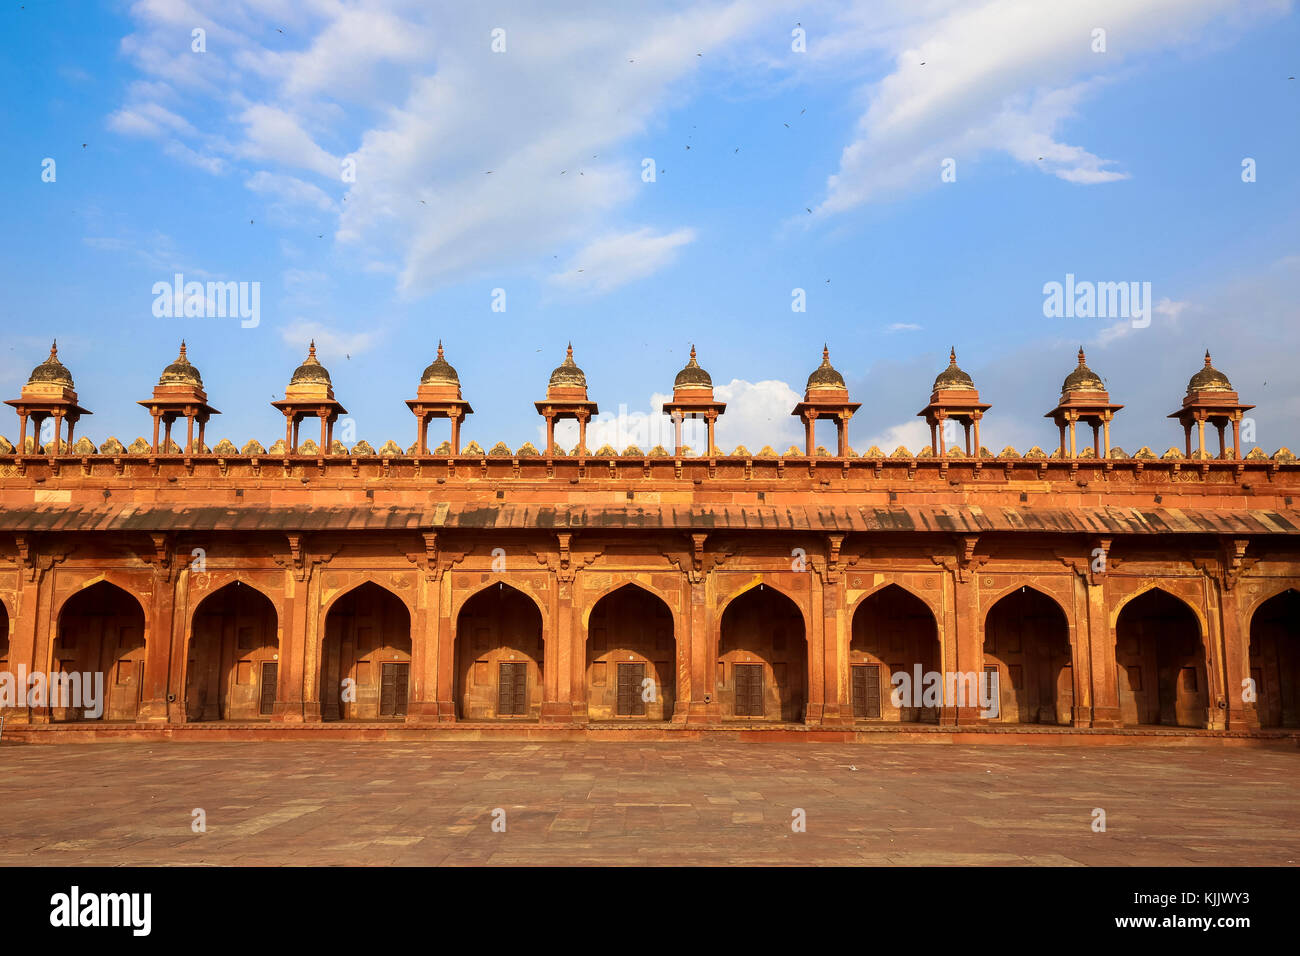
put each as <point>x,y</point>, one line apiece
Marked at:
<point>894,632</point>
<point>366,656</point>
<point>232,670</point>
<point>499,656</point>
<point>1027,643</point>
<point>1275,660</point>
<point>1161,662</point>
<point>101,632</point>
<point>629,642</point>
<point>762,658</point>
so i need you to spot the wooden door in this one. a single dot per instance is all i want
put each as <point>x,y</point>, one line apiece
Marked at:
<point>630,679</point>
<point>394,682</point>
<point>512,689</point>
<point>866,690</point>
<point>266,699</point>
<point>749,690</point>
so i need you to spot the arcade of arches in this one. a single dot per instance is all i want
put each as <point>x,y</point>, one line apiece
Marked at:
<point>446,638</point>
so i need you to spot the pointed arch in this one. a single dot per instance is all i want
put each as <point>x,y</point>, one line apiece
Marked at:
<point>1275,659</point>
<point>884,585</point>
<point>365,668</point>
<point>1160,660</point>
<point>232,656</point>
<point>893,631</point>
<point>1027,644</point>
<point>762,667</point>
<point>369,580</point>
<point>629,639</point>
<point>761,584</point>
<point>101,629</point>
<point>593,599</point>
<point>499,655</point>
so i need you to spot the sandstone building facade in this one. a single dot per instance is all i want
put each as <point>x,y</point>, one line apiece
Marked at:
<point>315,585</point>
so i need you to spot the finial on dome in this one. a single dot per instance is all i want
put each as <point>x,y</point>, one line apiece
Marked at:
<point>692,351</point>
<point>1081,356</point>
<point>570,352</point>
<point>54,349</point>
<point>952,355</point>
<point>311,349</point>
<point>1207,358</point>
<point>439,348</point>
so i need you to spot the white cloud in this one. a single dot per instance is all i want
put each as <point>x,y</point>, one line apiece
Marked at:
<point>903,327</point>
<point>758,414</point>
<point>289,190</point>
<point>996,75</point>
<point>276,135</point>
<point>612,261</point>
<point>148,119</point>
<point>414,94</point>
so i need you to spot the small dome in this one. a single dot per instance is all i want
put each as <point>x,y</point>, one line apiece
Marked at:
<point>440,372</point>
<point>1209,379</point>
<point>181,372</point>
<point>1082,379</point>
<point>953,377</point>
<point>311,371</point>
<point>568,375</point>
<point>51,371</point>
<point>692,376</point>
<point>825,376</point>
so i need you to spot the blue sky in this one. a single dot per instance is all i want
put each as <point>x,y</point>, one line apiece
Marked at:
<point>1140,180</point>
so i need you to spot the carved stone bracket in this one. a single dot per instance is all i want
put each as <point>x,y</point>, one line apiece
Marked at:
<point>565,564</point>
<point>25,556</point>
<point>1091,566</point>
<point>1235,561</point>
<point>163,556</point>
<point>966,561</point>
<point>435,562</point>
<point>300,560</point>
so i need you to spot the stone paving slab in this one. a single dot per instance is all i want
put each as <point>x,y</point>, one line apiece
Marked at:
<point>652,803</point>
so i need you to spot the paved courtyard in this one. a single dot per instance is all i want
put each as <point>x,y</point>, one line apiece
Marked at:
<point>644,803</point>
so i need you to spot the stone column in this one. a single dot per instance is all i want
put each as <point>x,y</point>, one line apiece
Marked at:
<point>30,623</point>
<point>1213,645</point>
<point>158,647</point>
<point>1241,714</point>
<point>299,690</point>
<point>702,648</point>
<point>1080,653</point>
<point>557,683</point>
<point>1101,648</point>
<point>815,707</point>
<point>969,645</point>
<point>423,705</point>
<point>835,652</point>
